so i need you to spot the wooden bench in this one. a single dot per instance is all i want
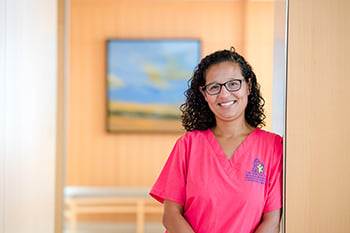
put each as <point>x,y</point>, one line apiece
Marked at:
<point>98,200</point>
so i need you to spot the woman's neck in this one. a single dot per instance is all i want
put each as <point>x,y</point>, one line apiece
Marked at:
<point>232,129</point>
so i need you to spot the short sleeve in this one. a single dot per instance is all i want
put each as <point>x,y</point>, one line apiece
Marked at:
<point>274,195</point>
<point>171,183</point>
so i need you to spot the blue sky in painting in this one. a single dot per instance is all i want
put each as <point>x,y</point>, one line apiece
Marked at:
<point>150,71</point>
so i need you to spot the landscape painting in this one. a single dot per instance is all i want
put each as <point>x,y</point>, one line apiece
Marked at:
<point>146,81</point>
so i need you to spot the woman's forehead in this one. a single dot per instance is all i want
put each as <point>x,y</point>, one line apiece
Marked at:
<point>223,70</point>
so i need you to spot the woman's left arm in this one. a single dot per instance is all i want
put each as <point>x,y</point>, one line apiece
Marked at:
<point>270,222</point>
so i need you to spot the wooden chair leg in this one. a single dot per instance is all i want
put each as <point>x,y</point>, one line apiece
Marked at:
<point>73,219</point>
<point>140,217</point>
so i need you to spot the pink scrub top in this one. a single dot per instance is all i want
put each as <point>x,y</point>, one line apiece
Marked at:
<point>221,195</point>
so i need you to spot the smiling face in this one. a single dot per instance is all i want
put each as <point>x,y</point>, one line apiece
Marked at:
<point>226,106</point>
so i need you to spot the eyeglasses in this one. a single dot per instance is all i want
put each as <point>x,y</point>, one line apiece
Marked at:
<point>231,86</point>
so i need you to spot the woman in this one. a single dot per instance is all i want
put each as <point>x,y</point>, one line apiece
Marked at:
<point>224,175</point>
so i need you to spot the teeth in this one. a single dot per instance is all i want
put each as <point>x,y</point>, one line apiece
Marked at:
<point>227,104</point>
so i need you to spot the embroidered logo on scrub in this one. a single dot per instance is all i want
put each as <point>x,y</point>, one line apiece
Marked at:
<point>257,173</point>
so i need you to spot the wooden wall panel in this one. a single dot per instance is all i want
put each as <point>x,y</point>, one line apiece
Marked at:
<point>94,157</point>
<point>318,113</point>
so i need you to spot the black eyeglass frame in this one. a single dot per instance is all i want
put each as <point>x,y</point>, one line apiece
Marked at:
<point>205,88</point>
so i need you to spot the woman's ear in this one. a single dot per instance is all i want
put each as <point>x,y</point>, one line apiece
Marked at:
<point>201,89</point>
<point>249,86</point>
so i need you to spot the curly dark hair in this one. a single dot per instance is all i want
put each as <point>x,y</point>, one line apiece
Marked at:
<point>196,114</point>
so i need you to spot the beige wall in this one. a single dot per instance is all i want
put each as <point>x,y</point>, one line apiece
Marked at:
<point>258,39</point>
<point>318,113</point>
<point>97,158</point>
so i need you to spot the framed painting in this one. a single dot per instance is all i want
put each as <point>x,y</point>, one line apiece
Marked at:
<point>146,81</point>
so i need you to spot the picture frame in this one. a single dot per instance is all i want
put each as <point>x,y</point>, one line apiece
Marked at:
<point>146,81</point>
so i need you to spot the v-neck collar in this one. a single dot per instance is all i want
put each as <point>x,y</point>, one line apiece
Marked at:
<point>233,162</point>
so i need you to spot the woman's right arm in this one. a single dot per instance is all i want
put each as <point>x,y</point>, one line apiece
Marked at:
<point>173,219</point>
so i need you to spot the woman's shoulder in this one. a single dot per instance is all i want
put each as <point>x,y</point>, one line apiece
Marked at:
<point>267,134</point>
<point>271,142</point>
<point>196,133</point>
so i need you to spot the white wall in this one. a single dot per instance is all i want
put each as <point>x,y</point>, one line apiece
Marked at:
<point>2,110</point>
<point>279,68</point>
<point>28,83</point>
<point>279,80</point>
